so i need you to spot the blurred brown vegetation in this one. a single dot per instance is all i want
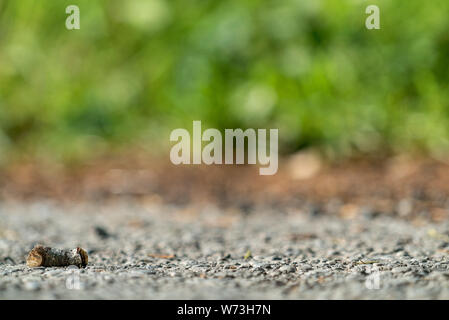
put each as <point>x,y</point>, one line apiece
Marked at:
<point>407,187</point>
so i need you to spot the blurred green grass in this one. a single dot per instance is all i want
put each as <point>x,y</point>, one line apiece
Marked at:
<point>139,68</point>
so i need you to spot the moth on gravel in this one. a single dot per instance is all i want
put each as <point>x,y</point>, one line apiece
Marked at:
<point>41,256</point>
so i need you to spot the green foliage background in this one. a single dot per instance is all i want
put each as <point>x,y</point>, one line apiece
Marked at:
<point>139,68</point>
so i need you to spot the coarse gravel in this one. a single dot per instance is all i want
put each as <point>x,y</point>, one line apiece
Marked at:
<point>160,251</point>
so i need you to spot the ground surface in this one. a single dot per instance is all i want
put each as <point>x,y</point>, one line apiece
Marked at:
<point>150,250</point>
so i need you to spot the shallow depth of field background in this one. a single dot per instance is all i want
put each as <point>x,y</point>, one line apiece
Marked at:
<point>139,68</point>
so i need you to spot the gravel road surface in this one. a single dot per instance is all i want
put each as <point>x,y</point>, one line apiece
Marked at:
<point>156,251</point>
